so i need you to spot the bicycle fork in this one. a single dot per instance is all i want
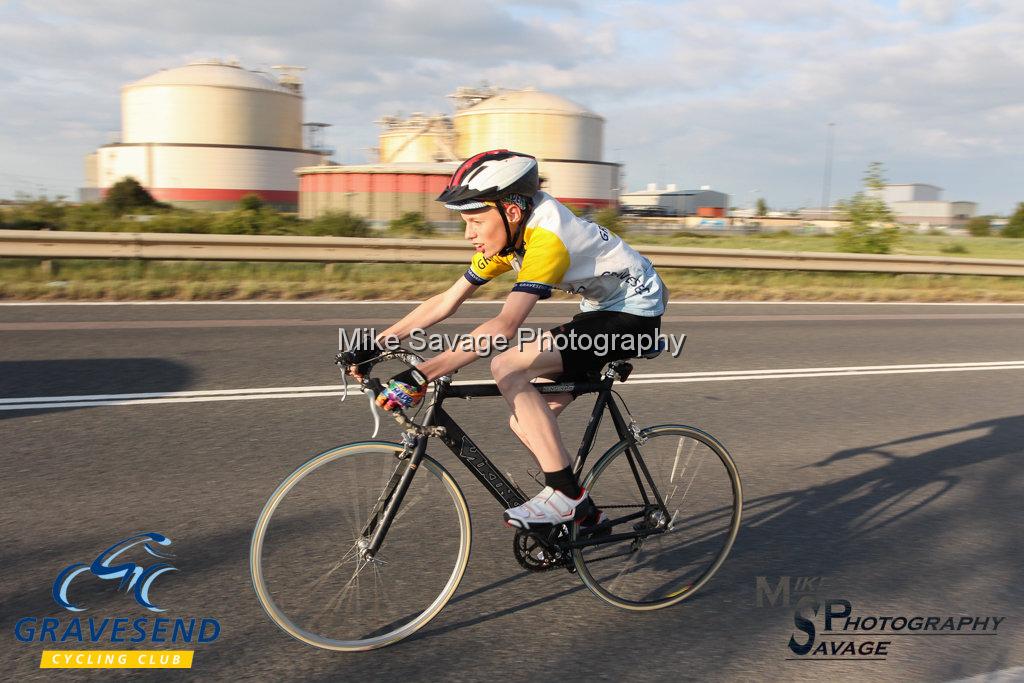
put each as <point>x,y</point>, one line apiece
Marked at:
<point>379,522</point>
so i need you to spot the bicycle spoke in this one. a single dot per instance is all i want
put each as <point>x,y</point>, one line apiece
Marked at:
<point>314,577</point>
<point>681,539</point>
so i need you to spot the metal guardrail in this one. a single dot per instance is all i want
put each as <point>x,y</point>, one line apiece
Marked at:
<point>201,247</point>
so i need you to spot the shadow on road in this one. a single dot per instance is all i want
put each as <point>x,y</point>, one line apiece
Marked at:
<point>88,376</point>
<point>831,528</point>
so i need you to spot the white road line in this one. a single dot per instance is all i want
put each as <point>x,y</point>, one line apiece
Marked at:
<point>251,394</point>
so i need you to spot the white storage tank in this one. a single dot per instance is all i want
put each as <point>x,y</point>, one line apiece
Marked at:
<point>417,139</point>
<point>210,102</point>
<point>566,138</point>
<point>210,132</point>
<point>538,123</point>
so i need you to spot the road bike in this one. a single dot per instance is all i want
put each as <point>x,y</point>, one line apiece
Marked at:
<point>365,543</point>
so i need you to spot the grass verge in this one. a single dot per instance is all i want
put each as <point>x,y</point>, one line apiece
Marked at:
<point>27,279</point>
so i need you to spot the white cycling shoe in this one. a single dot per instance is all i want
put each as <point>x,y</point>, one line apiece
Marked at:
<point>549,507</point>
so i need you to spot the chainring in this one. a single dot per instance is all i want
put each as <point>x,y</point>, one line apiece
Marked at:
<point>537,551</point>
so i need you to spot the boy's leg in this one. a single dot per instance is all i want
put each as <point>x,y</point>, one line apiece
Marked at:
<point>534,415</point>
<point>556,402</point>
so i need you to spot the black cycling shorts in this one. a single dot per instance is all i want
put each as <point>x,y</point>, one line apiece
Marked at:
<point>607,332</point>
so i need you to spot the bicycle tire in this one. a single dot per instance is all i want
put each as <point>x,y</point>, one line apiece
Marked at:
<point>431,476</point>
<point>586,560</point>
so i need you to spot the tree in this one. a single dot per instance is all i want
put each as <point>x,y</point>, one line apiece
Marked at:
<point>980,226</point>
<point>127,194</point>
<point>872,228</point>
<point>1015,227</point>
<point>251,202</point>
<point>762,207</point>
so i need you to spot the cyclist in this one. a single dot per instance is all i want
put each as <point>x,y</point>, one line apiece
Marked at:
<point>515,226</point>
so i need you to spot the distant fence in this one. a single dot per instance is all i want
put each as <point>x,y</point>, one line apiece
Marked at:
<point>202,247</point>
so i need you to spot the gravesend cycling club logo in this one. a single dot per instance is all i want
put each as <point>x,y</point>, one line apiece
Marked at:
<point>130,563</point>
<point>130,574</point>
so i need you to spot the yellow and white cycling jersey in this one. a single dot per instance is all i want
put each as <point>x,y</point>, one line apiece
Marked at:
<point>566,252</point>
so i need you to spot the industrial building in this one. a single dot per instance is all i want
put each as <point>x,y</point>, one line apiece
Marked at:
<point>379,192</point>
<point>415,152</point>
<point>672,201</point>
<point>921,205</point>
<point>205,134</point>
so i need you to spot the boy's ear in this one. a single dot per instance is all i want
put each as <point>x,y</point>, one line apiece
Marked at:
<point>513,213</point>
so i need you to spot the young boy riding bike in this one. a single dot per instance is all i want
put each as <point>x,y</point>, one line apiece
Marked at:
<point>515,226</point>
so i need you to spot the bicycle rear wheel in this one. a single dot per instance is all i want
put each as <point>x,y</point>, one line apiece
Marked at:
<point>657,556</point>
<point>305,556</point>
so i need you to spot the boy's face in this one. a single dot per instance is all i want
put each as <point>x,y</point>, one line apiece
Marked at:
<point>485,230</point>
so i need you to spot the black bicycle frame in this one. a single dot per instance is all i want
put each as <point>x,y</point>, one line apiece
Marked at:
<point>501,487</point>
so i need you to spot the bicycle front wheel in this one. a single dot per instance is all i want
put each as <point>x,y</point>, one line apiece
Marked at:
<point>305,559</point>
<point>673,505</point>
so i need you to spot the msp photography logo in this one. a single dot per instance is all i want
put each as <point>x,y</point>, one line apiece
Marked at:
<point>484,344</point>
<point>784,590</point>
<point>828,630</point>
<point>137,577</point>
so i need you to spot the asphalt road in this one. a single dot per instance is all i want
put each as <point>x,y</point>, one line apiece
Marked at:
<point>900,490</point>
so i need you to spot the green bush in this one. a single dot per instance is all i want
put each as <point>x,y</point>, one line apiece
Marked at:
<point>128,194</point>
<point>34,214</point>
<point>872,228</point>
<point>610,218</point>
<point>411,223</point>
<point>1015,227</point>
<point>980,226</point>
<point>251,202</point>
<point>953,248</point>
<point>338,224</point>
<point>180,220</point>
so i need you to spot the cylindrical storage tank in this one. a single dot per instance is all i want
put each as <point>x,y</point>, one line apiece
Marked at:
<point>583,184</point>
<point>208,177</point>
<point>378,192</point>
<point>544,125</point>
<point>409,147</point>
<point>206,134</point>
<point>418,139</point>
<point>211,103</point>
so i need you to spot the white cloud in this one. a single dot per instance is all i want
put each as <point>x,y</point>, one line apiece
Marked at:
<point>736,93</point>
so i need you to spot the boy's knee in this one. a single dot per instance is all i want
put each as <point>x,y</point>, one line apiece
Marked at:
<point>503,366</point>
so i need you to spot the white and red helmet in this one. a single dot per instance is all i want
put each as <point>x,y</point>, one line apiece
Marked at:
<point>489,176</point>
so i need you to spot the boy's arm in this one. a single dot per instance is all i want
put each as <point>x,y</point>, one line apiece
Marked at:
<point>432,311</point>
<point>506,324</point>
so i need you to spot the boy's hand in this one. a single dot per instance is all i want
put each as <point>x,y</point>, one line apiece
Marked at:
<point>404,390</point>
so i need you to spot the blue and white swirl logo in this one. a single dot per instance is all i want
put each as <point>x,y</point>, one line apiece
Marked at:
<point>132,576</point>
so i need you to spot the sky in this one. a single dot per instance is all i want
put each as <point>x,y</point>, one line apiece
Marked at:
<point>735,94</point>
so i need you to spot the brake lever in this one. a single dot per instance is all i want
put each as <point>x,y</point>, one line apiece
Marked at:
<point>376,415</point>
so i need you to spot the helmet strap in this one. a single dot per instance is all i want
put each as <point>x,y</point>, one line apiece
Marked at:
<point>510,245</point>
